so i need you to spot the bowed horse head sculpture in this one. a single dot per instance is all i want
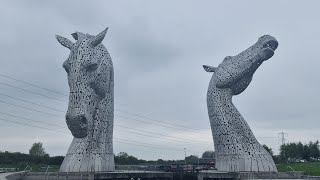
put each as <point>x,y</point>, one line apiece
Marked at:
<point>91,104</point>
<point>235,145</point>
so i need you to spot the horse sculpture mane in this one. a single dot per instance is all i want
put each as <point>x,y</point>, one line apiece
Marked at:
<point>236,148</point>
<point>91,104</point>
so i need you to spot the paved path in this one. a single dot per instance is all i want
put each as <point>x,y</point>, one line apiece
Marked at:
<point>3,175</point>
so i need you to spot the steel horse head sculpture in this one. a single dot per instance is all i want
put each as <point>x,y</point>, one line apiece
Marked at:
<point>236,148</point>
<point>91,104</point>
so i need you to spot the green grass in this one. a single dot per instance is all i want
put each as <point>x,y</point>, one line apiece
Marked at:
<point>309,168</point>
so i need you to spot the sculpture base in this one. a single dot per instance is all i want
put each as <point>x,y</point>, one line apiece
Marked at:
<point>116,175</point>
<point>156,175</point>
<point>262,162</point>
<point>213,174</point>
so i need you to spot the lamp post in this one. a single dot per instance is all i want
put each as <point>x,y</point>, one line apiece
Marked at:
<point>198,158</point>
<point>185,155</point>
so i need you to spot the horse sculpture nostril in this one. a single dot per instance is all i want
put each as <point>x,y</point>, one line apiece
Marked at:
<point>83,120</point>
<point>78,125</point>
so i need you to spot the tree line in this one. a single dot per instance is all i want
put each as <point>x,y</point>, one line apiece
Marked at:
<point>122,158</point>
<point>289,152</point>
<point>296,152</point>
<point>37,155</point>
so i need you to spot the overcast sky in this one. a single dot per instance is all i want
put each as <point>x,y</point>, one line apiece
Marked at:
<point>158,49</point>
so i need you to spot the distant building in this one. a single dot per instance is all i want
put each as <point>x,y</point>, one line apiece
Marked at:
<point>210,162</point>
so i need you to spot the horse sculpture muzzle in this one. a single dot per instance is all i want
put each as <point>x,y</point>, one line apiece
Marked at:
<point>83,102</point>
<point>78,124</point>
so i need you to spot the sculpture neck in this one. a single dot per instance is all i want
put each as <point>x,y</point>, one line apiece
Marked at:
<point>224,117</point>
<point>219,100</point>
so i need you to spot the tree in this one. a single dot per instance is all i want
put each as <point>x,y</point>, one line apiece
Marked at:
<point>160,161</point>
<point>123,155</point>
<point>268,149</point>
<point>314,151</point>
<point>124,159</point>
<point>306,152</point>
<point>37,149</point>
<point>191,159</point>
<point>300,151</point>
<point>208,154</point>
<point>294,152</point>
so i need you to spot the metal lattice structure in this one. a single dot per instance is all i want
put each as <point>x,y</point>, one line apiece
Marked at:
<point>236,148</point>
<point>91,104</point>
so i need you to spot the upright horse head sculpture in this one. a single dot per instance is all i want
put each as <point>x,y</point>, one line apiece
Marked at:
<point>236,148</point>
<point>91,105</point>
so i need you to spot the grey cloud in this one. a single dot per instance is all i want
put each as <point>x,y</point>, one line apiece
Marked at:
<point>158,49</point>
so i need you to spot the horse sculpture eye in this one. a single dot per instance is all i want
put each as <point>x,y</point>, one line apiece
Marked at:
<point>92,67</point>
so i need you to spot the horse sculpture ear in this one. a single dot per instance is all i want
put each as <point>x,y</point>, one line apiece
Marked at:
<point>98,38</point>
<point>64,42</point>
<point>75,35</point>
<point>209,68</point>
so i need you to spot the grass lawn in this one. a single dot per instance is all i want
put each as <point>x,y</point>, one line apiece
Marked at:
<point>311,168</point>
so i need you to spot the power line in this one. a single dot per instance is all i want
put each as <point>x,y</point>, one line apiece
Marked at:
<point>158,124</point>
<point>161,135</point>
<point>22,89</point>
<point>157,133</point>
<point>31,84</point>
<point>49,97</point>
<point>141,144</point>
<point>283,139</point>
<point>29,109</point>
<point>63,116</point>
<point>40,105</point>
<point>39,111</point>
<point>157,147</point>
<point>145,146</point>
<point>183,140</point>
<point>150,145</point>
<point>31,120</point>
<point>33,126</point>
<point>144,117</point>
<point>63,111</point>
